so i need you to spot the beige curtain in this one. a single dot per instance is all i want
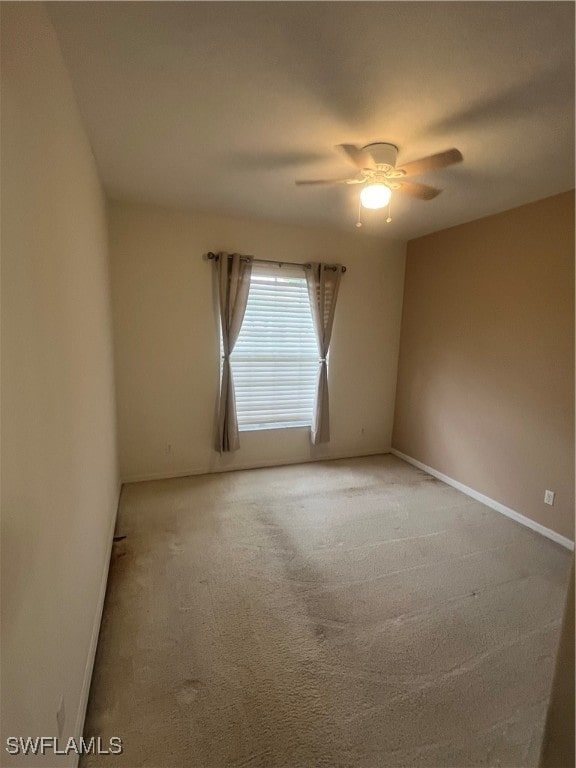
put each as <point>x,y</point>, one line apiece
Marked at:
<point>323,282</point>
<point>233,286</point>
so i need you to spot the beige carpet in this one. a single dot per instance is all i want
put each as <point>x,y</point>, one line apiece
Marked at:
<point>350,613</point>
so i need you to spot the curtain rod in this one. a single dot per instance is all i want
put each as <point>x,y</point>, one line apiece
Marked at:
<point>214,256</point>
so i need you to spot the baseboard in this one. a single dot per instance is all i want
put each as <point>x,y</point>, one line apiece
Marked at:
<point>169,475</point>
<point>85,693</point>
<point>503,509</point>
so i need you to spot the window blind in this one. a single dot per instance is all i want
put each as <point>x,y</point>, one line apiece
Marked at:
<point>275,359</point>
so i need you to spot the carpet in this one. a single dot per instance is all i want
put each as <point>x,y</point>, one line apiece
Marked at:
<point>348,614</point>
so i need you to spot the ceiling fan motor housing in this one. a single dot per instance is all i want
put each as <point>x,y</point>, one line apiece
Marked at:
<point>383,154</point>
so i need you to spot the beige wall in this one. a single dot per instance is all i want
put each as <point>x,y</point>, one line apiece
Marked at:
<point>167,349</point>
<point>486,373</point>
<point>59,477</point>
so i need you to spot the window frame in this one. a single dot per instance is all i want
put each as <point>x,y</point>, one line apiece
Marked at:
<point>264,281</point>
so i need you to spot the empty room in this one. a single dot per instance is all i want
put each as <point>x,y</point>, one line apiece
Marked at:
<point>287,296</point>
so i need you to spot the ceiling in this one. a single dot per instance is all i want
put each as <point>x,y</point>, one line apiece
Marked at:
<point>221,106</point>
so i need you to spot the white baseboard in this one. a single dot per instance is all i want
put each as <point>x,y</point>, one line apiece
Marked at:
<point>504,510</point>
<point>85,693</point>
<point>168,475</point>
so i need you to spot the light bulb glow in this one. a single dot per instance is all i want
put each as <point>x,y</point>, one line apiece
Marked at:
<point>375,196</point>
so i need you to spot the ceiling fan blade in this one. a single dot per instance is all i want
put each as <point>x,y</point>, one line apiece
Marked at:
<point>359,157</point>
<point>431,163</point>
<point>325,181</point>
<point>421,191</point>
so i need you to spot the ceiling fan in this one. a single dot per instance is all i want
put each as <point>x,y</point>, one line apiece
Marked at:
<point>377,171</point>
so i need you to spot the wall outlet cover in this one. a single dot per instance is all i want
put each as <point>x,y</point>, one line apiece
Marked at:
<point>549,497</point>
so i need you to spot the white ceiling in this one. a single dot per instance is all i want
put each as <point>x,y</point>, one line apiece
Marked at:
<point>221,106</point>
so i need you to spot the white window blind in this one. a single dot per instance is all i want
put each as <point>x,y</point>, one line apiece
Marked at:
<point>275,359</point>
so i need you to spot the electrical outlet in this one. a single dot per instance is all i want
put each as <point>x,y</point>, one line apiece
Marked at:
<point>549,497</point>
<point>61,717</point>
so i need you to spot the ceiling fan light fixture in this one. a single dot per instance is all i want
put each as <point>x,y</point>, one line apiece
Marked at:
<point>375,196</point>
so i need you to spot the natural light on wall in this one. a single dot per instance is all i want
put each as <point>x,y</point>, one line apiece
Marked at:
<point>275,359</point>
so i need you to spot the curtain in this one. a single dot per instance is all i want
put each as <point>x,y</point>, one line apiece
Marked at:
<point>233,288</point>
<point>323,282</point>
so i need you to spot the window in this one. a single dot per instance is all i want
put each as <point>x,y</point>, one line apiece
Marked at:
<point>275,359</point>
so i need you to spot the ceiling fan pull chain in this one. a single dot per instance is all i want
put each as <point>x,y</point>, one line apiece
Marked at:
<point>359,222</point>
<point>389,219</point>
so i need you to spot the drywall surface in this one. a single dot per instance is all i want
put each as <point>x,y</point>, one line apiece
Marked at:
<point>486,372</point>
<point>59,469</point>
<point>167,346</point>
